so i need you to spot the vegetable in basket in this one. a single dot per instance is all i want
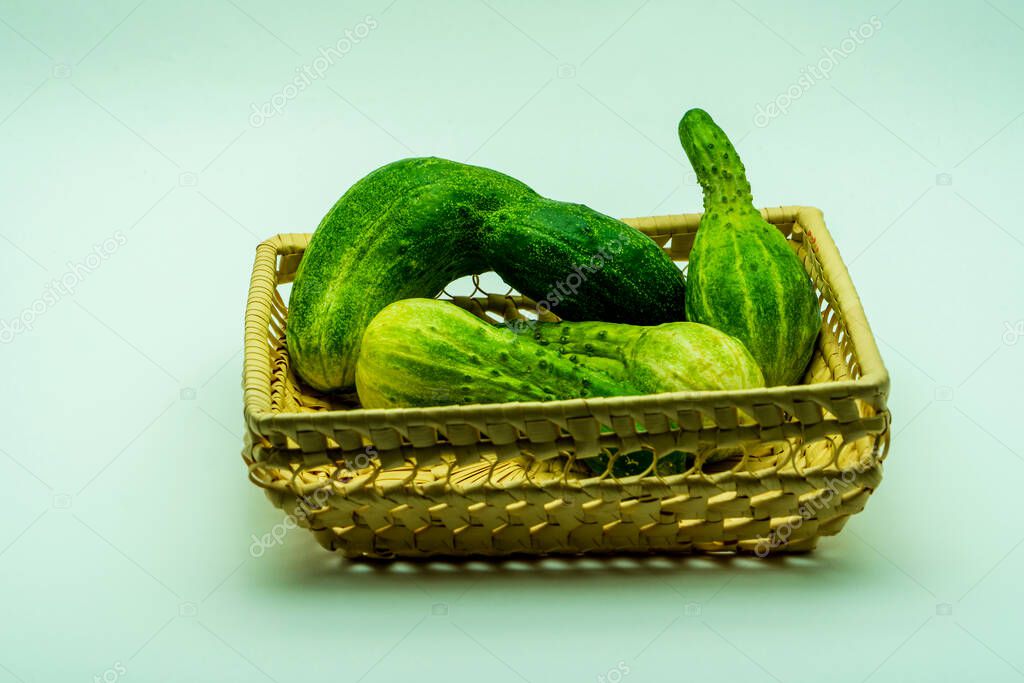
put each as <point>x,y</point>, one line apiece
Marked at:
<point>743,277</point>
<point>425,352</point>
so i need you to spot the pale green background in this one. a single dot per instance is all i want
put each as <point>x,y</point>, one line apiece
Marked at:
<point>124,543</point>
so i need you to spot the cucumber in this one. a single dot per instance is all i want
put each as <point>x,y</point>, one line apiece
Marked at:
<point>409,228</point>
<point>425,352</point>
<point>744,278</point>
<point>638,462</point>
<point>683,356</point>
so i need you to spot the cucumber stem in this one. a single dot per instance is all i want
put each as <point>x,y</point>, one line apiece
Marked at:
<point>719,170</point>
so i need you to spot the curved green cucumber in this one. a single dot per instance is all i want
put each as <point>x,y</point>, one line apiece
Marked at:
<point>412,226</point>
<point>406,229</point>
<point>581,263</point>
<point>743,276</point>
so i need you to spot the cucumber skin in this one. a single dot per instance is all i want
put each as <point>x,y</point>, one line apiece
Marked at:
<point>743,277</point>
<point>425,352</point>
<point>582,264</point>
<point>681,356</point>
<point>632,464</point>
<point>409,228</point>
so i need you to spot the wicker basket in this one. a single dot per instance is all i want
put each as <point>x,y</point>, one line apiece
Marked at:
<point>774,469</point>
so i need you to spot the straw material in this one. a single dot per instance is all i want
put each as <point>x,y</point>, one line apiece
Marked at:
<point>775,468</point>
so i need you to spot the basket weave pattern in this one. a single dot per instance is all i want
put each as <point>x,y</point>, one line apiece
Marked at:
<point>774,468</point>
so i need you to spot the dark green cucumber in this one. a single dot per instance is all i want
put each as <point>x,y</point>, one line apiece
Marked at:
<point>744,278</point>
<point>411,227</point>
<point>582,264</point>
<point>638,462</point>
<point>406,229</point>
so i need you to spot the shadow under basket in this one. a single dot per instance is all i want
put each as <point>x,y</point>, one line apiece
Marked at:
<point>769,470</point>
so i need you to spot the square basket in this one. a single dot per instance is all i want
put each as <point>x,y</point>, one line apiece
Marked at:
<point>772,469</point>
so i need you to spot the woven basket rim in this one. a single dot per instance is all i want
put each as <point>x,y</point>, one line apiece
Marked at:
<point>872,385</point>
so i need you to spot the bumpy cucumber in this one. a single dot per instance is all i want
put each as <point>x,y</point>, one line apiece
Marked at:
<point>683,356</point>
<point>411,227</point>
<point>743,277</point>
<point>424,352</point>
